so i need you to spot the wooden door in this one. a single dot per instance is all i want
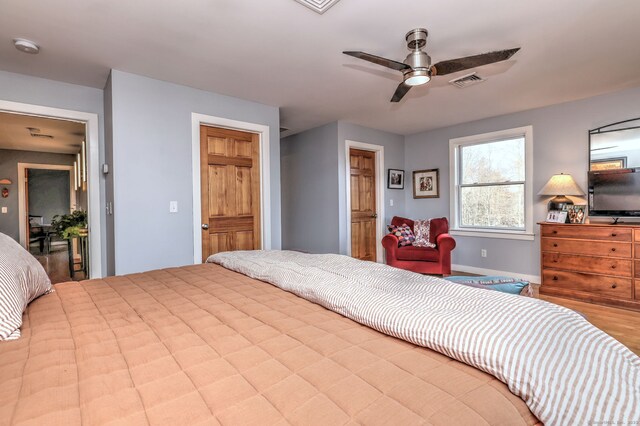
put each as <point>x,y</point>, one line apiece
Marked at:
<point>363,204</point>
<point>230,185</point>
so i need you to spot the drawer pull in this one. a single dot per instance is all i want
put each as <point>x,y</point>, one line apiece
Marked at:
<point>613,266</point>
<point>614,234</point>
<point>555,278</point>
<point>613,249</point>
<point>614,286</point>
<point>554,232</point>
<point>555,244</point>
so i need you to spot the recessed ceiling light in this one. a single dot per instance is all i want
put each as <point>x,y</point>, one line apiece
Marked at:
<point>26,46</point>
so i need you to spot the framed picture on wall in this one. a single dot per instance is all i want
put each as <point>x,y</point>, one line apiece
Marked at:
<point>395,179</point>
<point>426,183</point>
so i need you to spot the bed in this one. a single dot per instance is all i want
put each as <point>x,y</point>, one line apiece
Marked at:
<point>204,344</point>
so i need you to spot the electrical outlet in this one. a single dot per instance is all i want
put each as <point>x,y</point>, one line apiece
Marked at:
<point>4,209</point>
<point>483,253</point>
<point>173,207</point>
<point>391,202</point>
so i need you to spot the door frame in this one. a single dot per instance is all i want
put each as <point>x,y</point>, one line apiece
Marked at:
<point>262,131</point>
<point>92,139</point>
<point>22,201</point>
<point>379,151</point>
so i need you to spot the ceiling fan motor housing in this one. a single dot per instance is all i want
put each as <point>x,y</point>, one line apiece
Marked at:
<point>418,60</point>
<point>416,38</point>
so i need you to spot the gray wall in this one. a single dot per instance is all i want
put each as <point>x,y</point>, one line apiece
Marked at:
<point>314,179</point>
<point>39,91</point>
<point>152,166</point>
<point>9,159</point>
<point>309,162</point>
<point>49,193</point>
<point>560,144</point>
<point>108,160</point>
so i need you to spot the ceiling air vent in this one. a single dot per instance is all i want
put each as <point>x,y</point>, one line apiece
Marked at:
<point>466,80</point>
<point>319,6</point>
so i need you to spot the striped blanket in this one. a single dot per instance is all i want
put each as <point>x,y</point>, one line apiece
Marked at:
<point>566,370</point>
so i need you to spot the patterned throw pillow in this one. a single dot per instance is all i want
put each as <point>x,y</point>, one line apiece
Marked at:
<point>423,232</point>
<point>404,234</point>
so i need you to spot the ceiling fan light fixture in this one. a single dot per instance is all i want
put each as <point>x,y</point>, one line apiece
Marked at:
<point>417,77</point>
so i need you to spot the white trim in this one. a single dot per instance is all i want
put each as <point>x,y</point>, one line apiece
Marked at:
<point>93,183</point>
<point>506,235</point>
<point>22,201</point>
<point>379,150</point>
<point>535,279</point>
<point>265,175</point>
<point>454,177</point>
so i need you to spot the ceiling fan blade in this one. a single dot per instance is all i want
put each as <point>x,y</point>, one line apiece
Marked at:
<point>389,63</point>
<point>455,65</point>
<point>402,90</point>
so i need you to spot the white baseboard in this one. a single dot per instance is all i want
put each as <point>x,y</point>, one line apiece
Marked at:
<point>482,271</point>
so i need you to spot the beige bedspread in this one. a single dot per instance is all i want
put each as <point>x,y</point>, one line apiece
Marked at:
<point>205,345</point>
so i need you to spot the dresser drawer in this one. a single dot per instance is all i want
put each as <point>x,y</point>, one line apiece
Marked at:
<point>637,251</point>
<point>637,283</point>
<point>595,248</point>
<point>637,268</point>
<point>595,284</point>
<point>610,233</point>
<point>637,234</point>
<point>597,265</point>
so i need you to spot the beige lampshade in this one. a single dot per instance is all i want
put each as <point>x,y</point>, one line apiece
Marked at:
<point>561,185</point>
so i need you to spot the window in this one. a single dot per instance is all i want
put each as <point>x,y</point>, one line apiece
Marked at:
<point>491,184</point>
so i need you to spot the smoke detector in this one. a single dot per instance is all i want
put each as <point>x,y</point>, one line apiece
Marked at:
<point>26,46</point>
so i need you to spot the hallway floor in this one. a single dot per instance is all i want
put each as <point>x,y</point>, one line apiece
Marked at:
<point>56,264</point>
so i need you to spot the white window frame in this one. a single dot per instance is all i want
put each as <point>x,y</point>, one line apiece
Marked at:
<point>454,179</point>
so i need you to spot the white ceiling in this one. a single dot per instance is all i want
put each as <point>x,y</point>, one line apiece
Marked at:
<point>281,53</point>
<point>15,134</point>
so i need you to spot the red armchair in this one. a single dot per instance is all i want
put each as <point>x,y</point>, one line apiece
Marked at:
<point>423,260</point>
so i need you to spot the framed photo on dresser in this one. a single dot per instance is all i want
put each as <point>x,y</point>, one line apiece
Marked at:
<point>556,216</point>
<point>577,213</point>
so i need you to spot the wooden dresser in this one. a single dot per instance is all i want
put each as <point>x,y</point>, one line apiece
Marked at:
<point>591,262</point>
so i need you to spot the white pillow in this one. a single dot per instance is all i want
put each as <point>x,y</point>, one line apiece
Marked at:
<point>22,279</point>
<point>422,231</point>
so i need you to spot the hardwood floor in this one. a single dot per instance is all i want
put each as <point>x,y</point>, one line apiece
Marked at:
<point>56,264</point>
<point>622,324</point>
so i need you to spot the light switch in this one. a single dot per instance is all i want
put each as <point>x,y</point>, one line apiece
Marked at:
<point>4,210</point>
<point>391,202</point>
<point>173,207</point>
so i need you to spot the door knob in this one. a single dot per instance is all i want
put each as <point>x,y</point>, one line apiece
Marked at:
<point>205,226</point>
<point>375,215</point>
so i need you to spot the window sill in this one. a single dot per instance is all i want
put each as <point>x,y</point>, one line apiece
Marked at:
<point>507,235</point>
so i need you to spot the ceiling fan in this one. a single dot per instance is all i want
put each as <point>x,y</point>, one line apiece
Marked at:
<point>417,68</point>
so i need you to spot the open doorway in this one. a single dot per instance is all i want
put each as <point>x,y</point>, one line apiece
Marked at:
<point>46,208</point>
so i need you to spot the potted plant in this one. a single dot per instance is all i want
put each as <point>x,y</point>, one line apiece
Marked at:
<point>70,225</point>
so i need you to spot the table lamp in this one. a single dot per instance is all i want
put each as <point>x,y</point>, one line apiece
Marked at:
<point>560,185</point>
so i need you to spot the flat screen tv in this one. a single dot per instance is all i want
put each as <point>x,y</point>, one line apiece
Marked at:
<point>614,193</point>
